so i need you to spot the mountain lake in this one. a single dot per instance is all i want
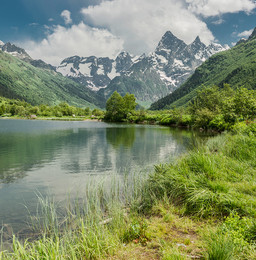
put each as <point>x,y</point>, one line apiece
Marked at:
<point>40,159</point>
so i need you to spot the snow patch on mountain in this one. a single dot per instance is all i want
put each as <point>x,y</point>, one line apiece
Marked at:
<point>15,51</point>
<point>173,61</point>
<point>95,72</point>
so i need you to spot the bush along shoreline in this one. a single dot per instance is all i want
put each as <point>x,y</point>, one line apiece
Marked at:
<point>214,108</point>
<point>201,206</point>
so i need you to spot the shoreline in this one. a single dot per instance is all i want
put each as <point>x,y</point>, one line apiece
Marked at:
<point>52,119</point>
<point>202,202</point>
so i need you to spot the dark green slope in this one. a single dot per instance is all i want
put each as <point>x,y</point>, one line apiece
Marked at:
<point>236,67</point>
<point>143,81</point>
<point>21,80</point>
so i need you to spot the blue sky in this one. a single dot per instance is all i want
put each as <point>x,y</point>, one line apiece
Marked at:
<point>55,29</point>
<point>21,19</point>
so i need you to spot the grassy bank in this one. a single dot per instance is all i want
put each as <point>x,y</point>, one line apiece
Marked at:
<point>201,206</point>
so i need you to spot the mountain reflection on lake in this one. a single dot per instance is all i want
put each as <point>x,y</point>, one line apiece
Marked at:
<point>59,158</point>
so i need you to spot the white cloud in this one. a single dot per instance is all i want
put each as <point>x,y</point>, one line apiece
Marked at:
<point>245,33</point>
<point>217,7</point>
<point>66,15</point>
<point>218,22</point>
<point>79,40</point>
<point>132,25</point>
<point>141,25</point>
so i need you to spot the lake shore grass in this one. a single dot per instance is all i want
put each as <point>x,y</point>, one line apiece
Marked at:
<point>202,206</point>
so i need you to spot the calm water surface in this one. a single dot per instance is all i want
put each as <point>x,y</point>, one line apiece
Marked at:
<point>58,158</point>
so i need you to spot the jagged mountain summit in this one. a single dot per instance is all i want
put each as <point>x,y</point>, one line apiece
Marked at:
<point>148,77</point>
<point>163,70</point>
<point>175,61</point>
<point>15,51</point>
<point>95,72</point>
<point>21,80</point>
<point>235,67</point>
<point>23,55</point>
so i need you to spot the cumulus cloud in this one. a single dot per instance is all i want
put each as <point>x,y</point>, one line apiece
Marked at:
<point>245,33</point>
<point>209,8</point>
<point>142,24</point>
<point>66,15</point>
<point>79,40</point>
<point>132,25</point>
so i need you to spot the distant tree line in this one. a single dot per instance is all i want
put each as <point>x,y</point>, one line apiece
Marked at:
<point>19,108</point>
<point>213,108</point>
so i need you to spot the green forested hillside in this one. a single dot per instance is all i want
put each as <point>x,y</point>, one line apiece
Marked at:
<point>20,80</point>
<point>143,82</point>
<point>236,67</point>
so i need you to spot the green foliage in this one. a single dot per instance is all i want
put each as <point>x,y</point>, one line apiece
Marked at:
<point>24,109</point>
<point>220,109</point>
<point>97,112</point>
<point>2,109</point>
<point>213,108</point>
<point>234,238</point>
<point>241,230</point>
<point>136,231</point>
<point>115,108</point>
<point>118,107</point>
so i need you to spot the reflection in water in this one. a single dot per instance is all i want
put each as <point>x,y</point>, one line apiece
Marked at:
<point>121,136</point>
<point>59,158</point>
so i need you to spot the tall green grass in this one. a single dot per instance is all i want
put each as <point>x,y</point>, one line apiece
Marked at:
<point>214,180</point>
<point>219,247</point>
<point>92,229</point>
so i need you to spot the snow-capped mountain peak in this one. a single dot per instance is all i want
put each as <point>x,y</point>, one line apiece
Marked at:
<point>95,72</point>
<point>123,62</point>
<point>1,43</point>
<point>169,45</point>
<point>15,51</point>
<point>173,60</point>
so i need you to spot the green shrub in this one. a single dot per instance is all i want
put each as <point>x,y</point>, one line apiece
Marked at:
<point>186,120</point>
<point>218,123</point>
<point>136,231</point>
<point>240,229</point>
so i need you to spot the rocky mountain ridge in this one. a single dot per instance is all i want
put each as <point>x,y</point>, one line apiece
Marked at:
<point>95,72</point>
<point>175,61</point>
<point>149,77</point>
<point>23,55</point>
<point>172,62</point>
<point>235,67</point>
<point>164,70</point>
